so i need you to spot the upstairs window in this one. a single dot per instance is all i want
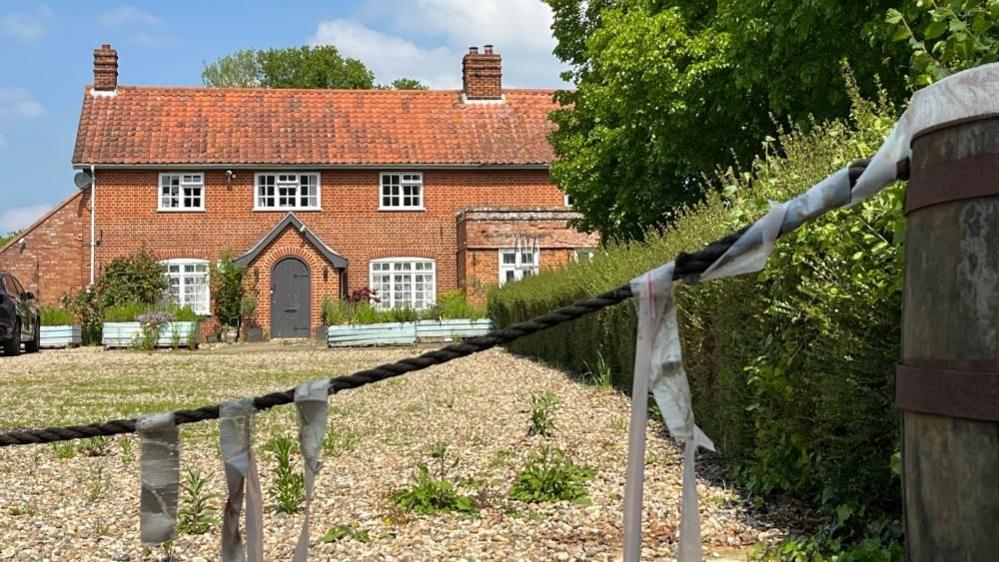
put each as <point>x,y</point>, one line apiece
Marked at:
<point>401,191</point>
<point>287,191</point>
<point>404,283</point>
<point>515,264</point>
<point>182,192</point>
<point>188,284</point>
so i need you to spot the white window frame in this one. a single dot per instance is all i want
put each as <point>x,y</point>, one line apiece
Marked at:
<point>403,184</point>
<point>590,253</point>
<point>387,301</point>
<point>568,200</point>
<point>519,267</point>
<point>296,197</point>
<point>182,184</point>
<point>184,281</point>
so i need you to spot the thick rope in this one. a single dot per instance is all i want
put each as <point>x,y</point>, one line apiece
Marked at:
<point>689,267</point>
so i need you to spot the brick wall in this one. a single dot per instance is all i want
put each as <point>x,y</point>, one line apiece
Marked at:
<point>54,259</point>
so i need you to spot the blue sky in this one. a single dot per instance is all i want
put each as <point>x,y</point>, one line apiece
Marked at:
<point>47,57</point>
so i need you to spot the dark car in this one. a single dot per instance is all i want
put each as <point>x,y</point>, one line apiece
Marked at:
<point>19,320</point>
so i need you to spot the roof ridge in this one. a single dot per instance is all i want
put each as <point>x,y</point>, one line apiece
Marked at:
<point>88,87</point>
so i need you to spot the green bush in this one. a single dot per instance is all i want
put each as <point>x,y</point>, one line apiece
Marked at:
<point>450,305</point>
<point>791,369</point>
<point>136,278</point>
<point>56,316</point>
<point>126,312</point>
<point>453,305</point>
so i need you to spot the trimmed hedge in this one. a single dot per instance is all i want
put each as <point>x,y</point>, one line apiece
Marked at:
<point>791,369</point>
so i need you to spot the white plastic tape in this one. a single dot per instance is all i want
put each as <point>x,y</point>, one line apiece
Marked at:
<point>659,366</point>
<point>242,481</point>
<point>312,402</point>
<point>160,478</point>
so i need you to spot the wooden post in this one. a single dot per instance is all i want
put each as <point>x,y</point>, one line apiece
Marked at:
<point>948,382</point>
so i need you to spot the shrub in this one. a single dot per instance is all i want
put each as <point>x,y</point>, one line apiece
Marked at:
<point>227,291</point>
<point>248,311</point>
<point>181,313</point>
<point>83,304</point>
<point>138,278</point>
<point>454,305</point>
<point>126,312</point>
<point>56,316</point>
<point>791,369</point>
<point>551,476</point>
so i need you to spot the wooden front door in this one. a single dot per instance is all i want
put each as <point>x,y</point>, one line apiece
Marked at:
<point>291,299</point>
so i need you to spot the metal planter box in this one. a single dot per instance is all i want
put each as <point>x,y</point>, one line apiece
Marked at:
<point>404,333</point>
<point>447,330</point>
<point>172,334</point>
<point>395,333</point>
<point>60,336</point>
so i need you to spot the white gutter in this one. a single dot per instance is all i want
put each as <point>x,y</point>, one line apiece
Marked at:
<point>93,208</point>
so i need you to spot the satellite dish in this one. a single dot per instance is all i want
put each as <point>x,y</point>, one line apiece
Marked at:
<point>82,180</point>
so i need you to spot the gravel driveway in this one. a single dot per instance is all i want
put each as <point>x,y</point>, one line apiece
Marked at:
<point>60,503</point>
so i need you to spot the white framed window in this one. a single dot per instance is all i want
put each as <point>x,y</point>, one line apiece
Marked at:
<point>515,264</point>
<point>404,282</point>
<point>188,284</point>
<point>401,191</point>
<point>568,200</point>
<point>585,254</point>
<point>182,192</point>
<point>287,191</point>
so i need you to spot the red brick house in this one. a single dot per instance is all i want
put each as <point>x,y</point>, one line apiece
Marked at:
<point>318,192</point>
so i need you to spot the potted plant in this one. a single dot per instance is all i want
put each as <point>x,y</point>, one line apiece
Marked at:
<point>59,328</point>
<point>248,312</point>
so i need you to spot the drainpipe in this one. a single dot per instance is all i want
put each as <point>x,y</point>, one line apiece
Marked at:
<point>93,208</point>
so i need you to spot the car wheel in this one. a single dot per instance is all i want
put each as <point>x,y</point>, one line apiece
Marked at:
<point>36,340</point>
<point>13,345</point>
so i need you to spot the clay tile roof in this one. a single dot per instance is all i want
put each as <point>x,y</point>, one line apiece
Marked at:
<point>166,125</point>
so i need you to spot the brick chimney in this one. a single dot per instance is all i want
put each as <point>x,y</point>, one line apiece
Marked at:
<point>105,69</point>
<point>482,74</point>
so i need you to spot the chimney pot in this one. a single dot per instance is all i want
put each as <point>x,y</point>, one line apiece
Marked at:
<point>482,74</point>
<point>105,69</point>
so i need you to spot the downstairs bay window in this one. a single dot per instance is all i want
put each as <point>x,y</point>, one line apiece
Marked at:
<point>404,283</point>
<point>188,284</point>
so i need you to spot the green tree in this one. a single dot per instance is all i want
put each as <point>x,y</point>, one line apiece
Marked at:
<point>408,84</point>
<point>228,291</point>
<point>945,36</point>
<point>138,278</point>
<point>5,238</point>
<point>669,89</point>
<point>297,67</point>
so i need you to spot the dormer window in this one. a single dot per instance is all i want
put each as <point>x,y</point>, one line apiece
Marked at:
<point>287,191</point>
<point>182,192</point>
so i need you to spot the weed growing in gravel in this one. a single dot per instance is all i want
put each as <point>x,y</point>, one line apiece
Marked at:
<point>337,443</point>
<point>288,489</point>
<point>600,374</point>
<point>23,509</point>
<point>97,484</point>
<point>99,446</point>
<point>543,407</point>
<point>341,531</point>
<point>434,493</point>
<point>195,517</point>
<point>500,459</point>
<point>550,475</point>
<point>64,450</point>
<point>125,444</point>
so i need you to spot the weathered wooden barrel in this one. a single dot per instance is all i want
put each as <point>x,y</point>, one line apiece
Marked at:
<point>947,384</point>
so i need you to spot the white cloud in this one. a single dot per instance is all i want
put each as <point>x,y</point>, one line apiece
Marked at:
<point>26,27</point>
<point>389,57</point>
<point>144,39</point>
<point>128,15</point>
<point>16,103</point>
<point>21,217</point>
<point>425,39</point>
